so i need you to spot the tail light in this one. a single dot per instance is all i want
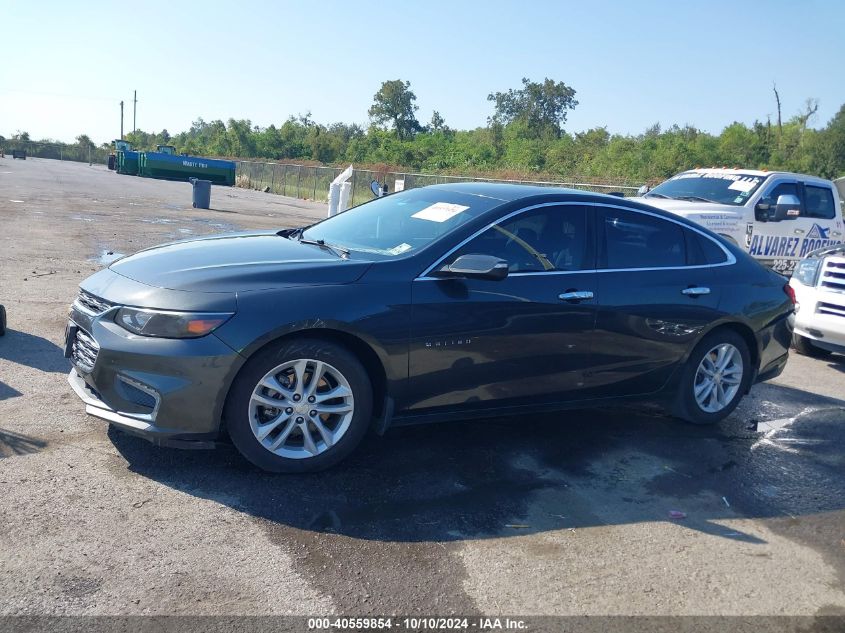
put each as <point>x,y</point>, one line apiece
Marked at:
<point>790,292</point>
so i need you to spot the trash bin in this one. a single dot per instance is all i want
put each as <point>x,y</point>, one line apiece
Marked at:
<point>202,193</point>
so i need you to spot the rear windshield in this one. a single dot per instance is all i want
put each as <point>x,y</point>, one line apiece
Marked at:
<point>400,223</point>
<point>721,188</point>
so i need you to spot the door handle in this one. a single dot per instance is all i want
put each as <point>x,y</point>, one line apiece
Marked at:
<point>696,291</point>
<point>800,231</point>
<point>836,233</point>
<point>576,295</point>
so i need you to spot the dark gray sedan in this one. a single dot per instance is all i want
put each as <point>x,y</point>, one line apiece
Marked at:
<point>438,303</point>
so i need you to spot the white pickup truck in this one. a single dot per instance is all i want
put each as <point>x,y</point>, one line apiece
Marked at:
<point>778,217</point>
<point>819,286</point>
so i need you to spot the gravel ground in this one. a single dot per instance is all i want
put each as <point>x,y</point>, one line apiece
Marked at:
<point>567,516</point>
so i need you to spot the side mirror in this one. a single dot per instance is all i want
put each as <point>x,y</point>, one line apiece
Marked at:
<point>788,207</point>
<point>643,190</point>
<point>762,210</point>
<point>476,267</point>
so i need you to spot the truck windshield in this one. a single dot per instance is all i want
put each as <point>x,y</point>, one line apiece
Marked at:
<point>401,223</point>
<point>733,188</point>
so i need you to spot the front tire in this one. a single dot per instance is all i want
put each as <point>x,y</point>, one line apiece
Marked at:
<point>299,406</point>
<point>714,379</point>
<point>805,346</point>
<point>2,320</point>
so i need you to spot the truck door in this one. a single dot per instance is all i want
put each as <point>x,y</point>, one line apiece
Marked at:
<point>820,214</point>
<point>778,244</point>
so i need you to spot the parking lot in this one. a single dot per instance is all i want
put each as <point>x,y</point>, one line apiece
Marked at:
<point>555,514</point>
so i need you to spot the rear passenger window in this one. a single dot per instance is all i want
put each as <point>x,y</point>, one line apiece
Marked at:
<point>713,253</point>
<point>636,240</point>
<point>818,202</point>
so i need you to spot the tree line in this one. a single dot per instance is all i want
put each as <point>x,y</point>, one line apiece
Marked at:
<point>524,137</point>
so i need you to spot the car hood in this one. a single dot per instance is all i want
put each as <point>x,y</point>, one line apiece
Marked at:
<point>685,208</point>
<point>237,262</point>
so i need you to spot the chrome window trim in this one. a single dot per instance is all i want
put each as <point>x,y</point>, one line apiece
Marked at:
<point>731,260</point>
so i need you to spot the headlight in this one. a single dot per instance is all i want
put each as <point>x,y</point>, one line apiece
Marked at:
<point>164,324</point>
<point>807,271</point>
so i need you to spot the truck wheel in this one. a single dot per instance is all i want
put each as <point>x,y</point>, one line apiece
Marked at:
<point>805,346</point>
<point>714,379</point>
<point>2,320</point>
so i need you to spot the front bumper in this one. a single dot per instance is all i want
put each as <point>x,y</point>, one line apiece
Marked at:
<point>821,318</point>
<point>134,425</point>
<point>169,391</point>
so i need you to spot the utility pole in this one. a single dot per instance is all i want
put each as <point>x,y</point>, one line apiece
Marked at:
<point>121,119</point>
<point>134,111</point>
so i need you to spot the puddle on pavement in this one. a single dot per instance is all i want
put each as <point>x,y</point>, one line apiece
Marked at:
<point>777,433</point>
<point>220,226</point>
<point>158,220</point>
<point>223,226</point>
<point>107,257</point>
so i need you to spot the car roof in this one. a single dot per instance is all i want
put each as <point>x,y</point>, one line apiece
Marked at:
<point>509,192</point>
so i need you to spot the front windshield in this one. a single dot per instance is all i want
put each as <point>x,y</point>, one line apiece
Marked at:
<point>717,187</point>
<point>401,223</point>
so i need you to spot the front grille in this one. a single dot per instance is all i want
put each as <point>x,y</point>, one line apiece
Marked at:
<point>833,274</point>
<point>830,308</point>
<point>91,304</point>
<point>84,351</point>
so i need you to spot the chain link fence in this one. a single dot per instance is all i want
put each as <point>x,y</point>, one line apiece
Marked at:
<point>302,181</point>
<point>57,151</point>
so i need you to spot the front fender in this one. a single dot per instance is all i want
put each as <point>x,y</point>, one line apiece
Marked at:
<point>376,314</point>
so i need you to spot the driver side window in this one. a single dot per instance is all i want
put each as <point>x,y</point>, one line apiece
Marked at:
<point>540,240</point>
<point>782,189</point>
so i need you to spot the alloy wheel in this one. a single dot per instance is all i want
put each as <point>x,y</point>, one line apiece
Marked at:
<point>301,408</point>
<point>718,378</point>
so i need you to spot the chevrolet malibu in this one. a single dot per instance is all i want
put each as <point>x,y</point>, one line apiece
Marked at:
<point>439,303</point>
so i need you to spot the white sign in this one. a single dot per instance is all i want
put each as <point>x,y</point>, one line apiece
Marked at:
<point>399,185</point>
<point>742,185</point>
<point>440,212</point>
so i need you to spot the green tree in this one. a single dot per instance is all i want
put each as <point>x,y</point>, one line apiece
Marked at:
<point>394,104</point>
<point>83,140</point>
<point>827,148</point>
<point>540,108</point>
<point>438,123</point>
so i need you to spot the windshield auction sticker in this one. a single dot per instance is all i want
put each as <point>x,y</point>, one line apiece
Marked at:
<point>440,212</point>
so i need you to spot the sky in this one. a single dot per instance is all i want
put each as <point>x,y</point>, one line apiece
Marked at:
<point>67,65</point>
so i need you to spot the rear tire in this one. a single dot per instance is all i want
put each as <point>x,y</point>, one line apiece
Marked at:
<point>805,346</point>
<point>299,406</point>
<point>714,379</point>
